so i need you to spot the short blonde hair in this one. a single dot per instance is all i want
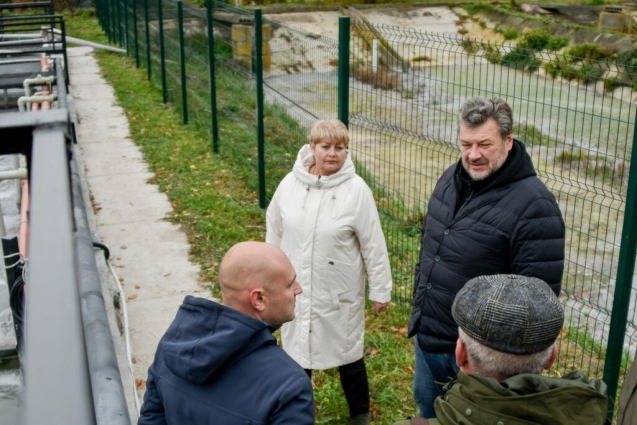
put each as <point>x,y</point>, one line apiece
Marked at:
<point>333,129</point>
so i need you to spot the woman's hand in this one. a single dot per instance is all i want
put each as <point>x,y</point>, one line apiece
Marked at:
<point>376,306</point>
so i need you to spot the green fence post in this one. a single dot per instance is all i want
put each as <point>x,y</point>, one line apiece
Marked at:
<point>343,69</point>
<point>135,33</point>
<point>113,21</point>
<point>182,61</point>
<point>162,53</point>
<point>213,85</point>
<point>147,28</point>
<point>258,65</point>
<point>108,20</point>
<point>623,286</point>
<point>126,27</point>
<point>118,23</point>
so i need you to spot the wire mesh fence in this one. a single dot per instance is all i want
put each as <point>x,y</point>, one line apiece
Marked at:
<point>574,113</point>
<point>577,132</point>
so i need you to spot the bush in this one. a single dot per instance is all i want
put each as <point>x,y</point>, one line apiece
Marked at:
<point>510,34</point>
<point>521,58</point>
<point>588,51</point>
<point>541,39</point>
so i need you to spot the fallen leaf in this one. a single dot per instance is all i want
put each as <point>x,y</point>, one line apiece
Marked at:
<point>131,297</point>
<point>374,351</point>
<point>123,247</point>
<point>140,384</point>
<point>137,286</point>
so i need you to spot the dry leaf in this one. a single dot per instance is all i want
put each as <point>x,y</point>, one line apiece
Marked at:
<point>131,297</point>
<point>123,247</point>
<point>137,286</point>
<point>140,384</point>
<point>374,351</point>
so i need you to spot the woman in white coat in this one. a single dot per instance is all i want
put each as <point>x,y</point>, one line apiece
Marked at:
<point>323,216</point>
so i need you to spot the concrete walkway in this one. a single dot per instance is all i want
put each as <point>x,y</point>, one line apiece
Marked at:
<point>149,254</point>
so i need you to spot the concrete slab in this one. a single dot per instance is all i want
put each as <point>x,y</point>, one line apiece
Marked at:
<point>148,254</point>
<point>104,131</point>
<point>112,158</point>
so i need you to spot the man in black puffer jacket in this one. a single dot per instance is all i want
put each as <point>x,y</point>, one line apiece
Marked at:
<point>489,214</point>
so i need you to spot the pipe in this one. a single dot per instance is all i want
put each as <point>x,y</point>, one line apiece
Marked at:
<point>44,63</point>
<point>20,173</point>
<point>46,105</point>
<point>58,35</point>
<point>36,80</point>
<point>106,382</point>
<point>32,99</point>
<point>23,228</point>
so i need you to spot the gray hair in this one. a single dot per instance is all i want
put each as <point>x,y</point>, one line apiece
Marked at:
<point>477,110</point>
<point>490,362</point>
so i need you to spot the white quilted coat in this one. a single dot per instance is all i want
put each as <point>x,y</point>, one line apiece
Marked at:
<point>330,229</point>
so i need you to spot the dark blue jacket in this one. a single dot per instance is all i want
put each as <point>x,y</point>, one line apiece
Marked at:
<point>216,365</point>
<point>507,223</point>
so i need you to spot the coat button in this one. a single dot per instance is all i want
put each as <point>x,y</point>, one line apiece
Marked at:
<point>437,258</point>
<point>428,285</point>
<point>468,412</point>
<point>500,423</point>
<point>446,232</point>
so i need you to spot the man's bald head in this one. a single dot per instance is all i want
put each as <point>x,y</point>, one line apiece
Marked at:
<point>250,268</point>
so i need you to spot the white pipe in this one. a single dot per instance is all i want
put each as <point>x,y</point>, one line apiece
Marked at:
<point>81,42</point>
<point>33,99</point>
<point>37,80</point>
<point>20,173</point>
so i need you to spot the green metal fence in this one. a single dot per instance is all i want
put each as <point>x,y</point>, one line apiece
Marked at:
<point>575,115</point>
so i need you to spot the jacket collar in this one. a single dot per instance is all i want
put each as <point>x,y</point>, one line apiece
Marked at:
<point>517,166</point>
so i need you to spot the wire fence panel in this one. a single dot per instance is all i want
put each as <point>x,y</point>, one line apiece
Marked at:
<point>406,96</point>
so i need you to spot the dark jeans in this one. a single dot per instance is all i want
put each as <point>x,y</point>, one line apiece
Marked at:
<point>431,368</point>
<point>355,386</point>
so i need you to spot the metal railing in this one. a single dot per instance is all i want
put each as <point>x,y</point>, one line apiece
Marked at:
<point>67,356</point>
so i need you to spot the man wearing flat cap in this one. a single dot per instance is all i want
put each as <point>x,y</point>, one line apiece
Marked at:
<point>508,326</point>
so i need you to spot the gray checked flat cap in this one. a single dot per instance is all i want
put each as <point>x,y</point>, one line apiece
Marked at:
<point>509,313</point>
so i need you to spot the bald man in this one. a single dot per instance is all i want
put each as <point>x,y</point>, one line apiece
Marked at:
<point>220,364</point>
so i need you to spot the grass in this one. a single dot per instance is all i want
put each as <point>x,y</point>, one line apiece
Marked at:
<point>214,200</point>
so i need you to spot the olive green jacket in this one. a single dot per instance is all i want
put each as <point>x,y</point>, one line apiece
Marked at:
<point>627,412</point>
<point>523,400</point>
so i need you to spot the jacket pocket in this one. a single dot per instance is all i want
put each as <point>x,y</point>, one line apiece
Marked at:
<point>341,278</point>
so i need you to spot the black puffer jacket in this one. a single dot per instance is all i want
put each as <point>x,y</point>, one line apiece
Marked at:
<point>509,223</point>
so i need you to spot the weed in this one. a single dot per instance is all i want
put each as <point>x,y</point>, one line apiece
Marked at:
<point>510,34</point>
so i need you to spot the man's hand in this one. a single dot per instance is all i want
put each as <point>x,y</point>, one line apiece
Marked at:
<point>376,306</point>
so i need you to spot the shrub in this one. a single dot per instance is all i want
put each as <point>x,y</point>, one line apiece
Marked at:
<point>510,34</point>
<point>541,39</point>
<point>521,58</point>
<point>588,51</point>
